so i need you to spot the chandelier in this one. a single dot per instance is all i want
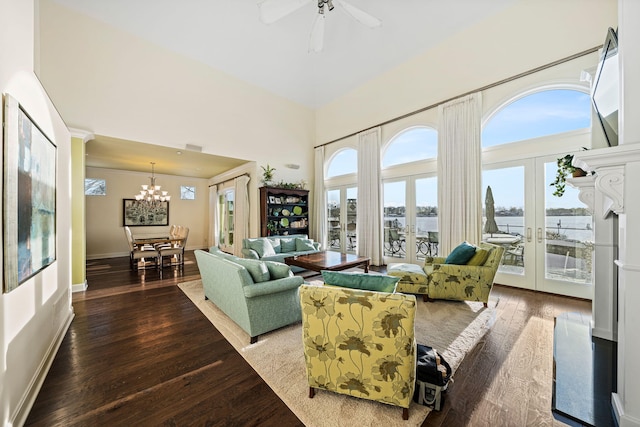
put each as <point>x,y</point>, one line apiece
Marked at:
<point>151,194</point>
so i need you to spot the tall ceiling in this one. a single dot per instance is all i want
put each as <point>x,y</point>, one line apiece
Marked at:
<point>229,36</point>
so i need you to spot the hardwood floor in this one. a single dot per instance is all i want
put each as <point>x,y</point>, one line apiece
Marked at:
<point>140,353</point>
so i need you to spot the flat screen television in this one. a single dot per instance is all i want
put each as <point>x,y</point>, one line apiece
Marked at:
<point>605,92</point>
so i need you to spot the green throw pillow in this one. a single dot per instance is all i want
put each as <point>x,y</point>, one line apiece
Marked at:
<point>256,268</point>
<point>461,254</point>
<point>262,247</point>
<point>479,258</point>
<point>278,270</point>
<point>363,281</point>
<point>304,245</point>
<point>275,243</point>
<point>287,245</point>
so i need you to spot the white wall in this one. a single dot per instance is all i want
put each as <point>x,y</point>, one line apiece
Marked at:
<point>113,83</point>
<point>34,317</point>
<point>522,37</point>
<point>105,232</point>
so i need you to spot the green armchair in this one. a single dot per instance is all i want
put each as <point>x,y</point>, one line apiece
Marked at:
<point>463,282</point>
<point>437,280</point>
<point>360,343</point>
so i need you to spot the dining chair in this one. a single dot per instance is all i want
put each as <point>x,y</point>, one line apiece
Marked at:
<point>177,248</point>
<point>138,252</point>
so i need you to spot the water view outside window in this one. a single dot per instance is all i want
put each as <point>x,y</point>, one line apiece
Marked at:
<point>413,227</point>
<point>342,223</point>
<point>563,225</point>
<point>568,233</point>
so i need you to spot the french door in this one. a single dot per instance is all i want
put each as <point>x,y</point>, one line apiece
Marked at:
<point>410,218</point>
<point>226,198</point>
<point>342,219</point>
<point>548,240</point>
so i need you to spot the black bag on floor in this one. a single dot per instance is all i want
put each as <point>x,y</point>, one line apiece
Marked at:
<point>432,377</point>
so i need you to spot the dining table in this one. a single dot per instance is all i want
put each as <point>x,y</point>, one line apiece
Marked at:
<point>142,240</point>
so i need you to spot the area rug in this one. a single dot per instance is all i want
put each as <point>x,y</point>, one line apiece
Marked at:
<point>451,327</point>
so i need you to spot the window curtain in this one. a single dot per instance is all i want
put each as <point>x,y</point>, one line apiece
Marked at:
<point>369,208</point>
<point>214,218</point>
<point>459,172</point>
<point>319,224</point>
<point>241,213</point>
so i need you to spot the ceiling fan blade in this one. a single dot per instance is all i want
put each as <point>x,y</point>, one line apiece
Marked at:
<point>272,10</point>
<point>317,34</point>
<point>359,15</point>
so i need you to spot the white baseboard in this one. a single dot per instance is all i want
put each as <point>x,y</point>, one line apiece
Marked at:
<point>29,397</point>
<point>622,420</point>
<point>80,287</point>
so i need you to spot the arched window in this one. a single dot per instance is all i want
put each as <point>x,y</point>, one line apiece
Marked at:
<point>539,114</point>
<point>418,143</point>
<point>343,162</point>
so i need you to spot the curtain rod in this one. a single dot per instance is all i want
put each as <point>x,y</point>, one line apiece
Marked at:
<point>230,179</point>
<point>489,86</point>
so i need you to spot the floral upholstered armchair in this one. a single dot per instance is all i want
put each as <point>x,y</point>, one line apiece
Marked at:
<point>360,343</point>
<point>463,282</point>
<point>471,280</point>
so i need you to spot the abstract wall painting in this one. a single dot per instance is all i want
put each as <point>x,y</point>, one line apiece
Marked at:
<point>29,197</point>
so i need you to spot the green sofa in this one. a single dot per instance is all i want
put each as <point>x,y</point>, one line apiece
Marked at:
<point>277,248</point>
<point>256,306</point>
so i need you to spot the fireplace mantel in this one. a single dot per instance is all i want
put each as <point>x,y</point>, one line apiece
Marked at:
<point>609,167</point>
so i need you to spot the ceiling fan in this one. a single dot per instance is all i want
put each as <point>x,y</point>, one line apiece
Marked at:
<point>273,10</point>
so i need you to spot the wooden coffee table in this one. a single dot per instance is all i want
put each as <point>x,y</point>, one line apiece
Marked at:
<point>328,260</point>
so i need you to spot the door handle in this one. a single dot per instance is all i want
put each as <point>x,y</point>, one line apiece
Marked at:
<point>539,235</point>
<point>529,233</point>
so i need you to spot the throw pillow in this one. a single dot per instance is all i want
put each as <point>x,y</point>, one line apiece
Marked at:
<point>275,244</point>
<point>256,268</point>
<point>287,245</point>
<point>304,245</point>
<point>461,254</point>
<point>262,247</point>
<point>278,270</point>
<point>363,281</point>
<point>479,258</point>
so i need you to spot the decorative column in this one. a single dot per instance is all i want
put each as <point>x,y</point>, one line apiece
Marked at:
<point>604,323</point>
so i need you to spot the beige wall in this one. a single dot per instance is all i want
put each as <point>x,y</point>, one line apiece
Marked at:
<point>34,316</point>
<point>522,37</point>
<point>112,83</point>
<point>105,232</point>
<point>78,218</point>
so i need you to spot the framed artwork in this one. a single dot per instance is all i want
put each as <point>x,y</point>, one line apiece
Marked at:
<point>29,197</point>
<point>141,213</point>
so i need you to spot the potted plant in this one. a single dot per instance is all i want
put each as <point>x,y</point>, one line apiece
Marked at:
<point>267,174</point>
<point>271,228</point>
<point>565,168</point>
